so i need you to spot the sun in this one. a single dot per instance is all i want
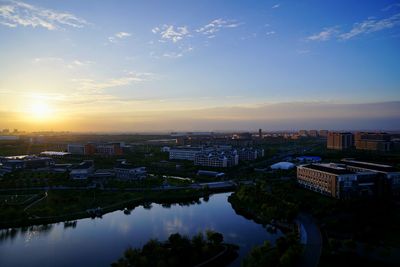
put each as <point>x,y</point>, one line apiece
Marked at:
<point>41,111</point>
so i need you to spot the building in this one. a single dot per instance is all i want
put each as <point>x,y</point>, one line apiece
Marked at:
<point>9,137</point>
<point>211,174</point>
<point>55,154</point>
<point>308,159</point>
<point>184,153</point>
<point>303,133</point>
<point>340,141</point>
<point>249,154</point>
<point>103,149</point>
<point>260,135</point>
<point>282,166</point>
<point>327,179</point>
<point>217,159</point>
<point>108,149</point>
<point>83,170</point>
<point>350,179</point>
<point>76,149</point>
<point>14,163</point>
<point>390,174</point>
<point>126,171</point>
<point>372,141</point>
<point>313,133</point>
<point>323,133</point>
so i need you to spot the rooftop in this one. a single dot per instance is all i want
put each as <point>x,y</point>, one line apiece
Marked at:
<point>370,166</point>
<point>329,168</point>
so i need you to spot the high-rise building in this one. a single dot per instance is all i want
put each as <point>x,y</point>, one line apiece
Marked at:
<point>323,133</point>
<point>260,133</point>
<point>340,141</point>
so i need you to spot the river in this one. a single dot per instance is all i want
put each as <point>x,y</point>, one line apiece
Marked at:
<point>100,241</point>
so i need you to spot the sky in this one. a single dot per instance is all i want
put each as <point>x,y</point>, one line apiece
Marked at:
<point>133,66</point>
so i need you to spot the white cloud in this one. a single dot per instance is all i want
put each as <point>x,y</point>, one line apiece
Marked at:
<point>389,7</point>
<point>98,86</point>
<point>15,13</point>
<point>270,33</point>
<point>325,35</point>
<point>216,25</point>
<point>371,25</point>
<point>171,32</point>
<point>122,35</point>
<point>117,36</point>
<point>367,26</point>
<point>60,62</point>
<point>276,6</point>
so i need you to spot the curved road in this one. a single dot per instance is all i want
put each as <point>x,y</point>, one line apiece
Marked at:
<point>311,239</point>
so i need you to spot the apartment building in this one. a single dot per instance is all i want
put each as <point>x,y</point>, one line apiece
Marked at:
<point>340,141</point>
<point>372,141</point>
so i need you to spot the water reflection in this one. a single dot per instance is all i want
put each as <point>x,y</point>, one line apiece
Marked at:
<point>27,233</point>
<point>100,241</point>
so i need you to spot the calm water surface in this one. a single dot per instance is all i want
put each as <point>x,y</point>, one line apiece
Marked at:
<point>99,242</point>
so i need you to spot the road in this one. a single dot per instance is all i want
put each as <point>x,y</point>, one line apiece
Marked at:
<point>311,239</point>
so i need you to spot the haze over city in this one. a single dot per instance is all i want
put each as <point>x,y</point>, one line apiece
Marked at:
<point>199,65</point>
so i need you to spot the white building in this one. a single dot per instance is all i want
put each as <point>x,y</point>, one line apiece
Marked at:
<point>184,153</point>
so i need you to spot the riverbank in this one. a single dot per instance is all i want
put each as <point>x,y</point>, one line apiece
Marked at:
<point>69,205</point>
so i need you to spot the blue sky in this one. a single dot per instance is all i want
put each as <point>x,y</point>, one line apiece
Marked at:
<point>140,61</point>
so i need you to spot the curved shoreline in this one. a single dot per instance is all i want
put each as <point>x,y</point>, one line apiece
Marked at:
<point>168,198</point>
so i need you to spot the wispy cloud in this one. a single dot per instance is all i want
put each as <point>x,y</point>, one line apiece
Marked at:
<point>16,13</point>
<point>371,25</point>
<point>325,35</point>
<point>90,85</point>
<point>216,25</point>
<point>389,7</point>
<point>270,33</point>
<point>276,6</point>
<point>367,26</point>
<point>177,54</point>
<point>71,64</point>
<point>119,35</point>
<point>171,32</point>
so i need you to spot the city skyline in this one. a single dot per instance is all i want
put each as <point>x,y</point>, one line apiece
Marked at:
<point>275,65</point>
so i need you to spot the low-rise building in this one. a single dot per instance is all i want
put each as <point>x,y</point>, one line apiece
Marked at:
<point>390,174</point>
<point>325,178</point>
<point>350,179</point>
<point>184,153</point>
<point>217,159</point>
<point>211,174</point>
<point>249,154</point>
<point>126,171</point>
<point>13,163</point>
<point>83,170</point>
<point>76,149</point>
<point>102,149</point>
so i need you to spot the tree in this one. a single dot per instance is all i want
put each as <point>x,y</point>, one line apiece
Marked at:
<point>214,237</point>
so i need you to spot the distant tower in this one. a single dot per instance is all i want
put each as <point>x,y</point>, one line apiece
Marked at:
<point>260,133</point>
